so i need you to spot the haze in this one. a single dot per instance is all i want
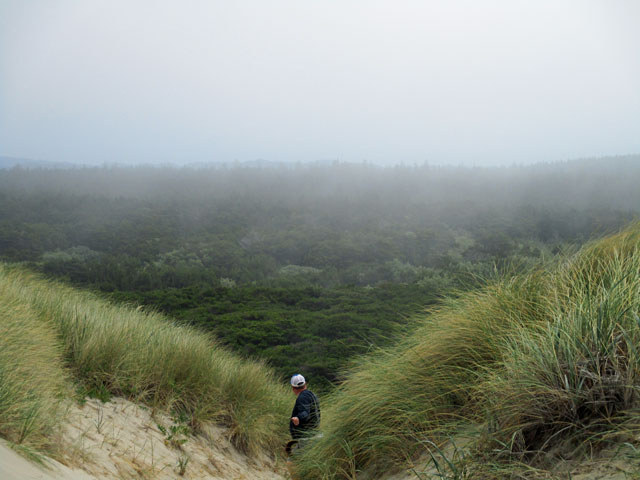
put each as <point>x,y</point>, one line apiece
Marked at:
<point>455,82</point>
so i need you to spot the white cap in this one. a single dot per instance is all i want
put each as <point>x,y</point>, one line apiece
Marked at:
<point>297,381</point>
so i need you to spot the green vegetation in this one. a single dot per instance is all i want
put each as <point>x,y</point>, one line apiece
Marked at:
<point>127,352</point>
<point>546,363</point>
<point>303,266</point>
<point>310,329</point>
<point>311,268</point>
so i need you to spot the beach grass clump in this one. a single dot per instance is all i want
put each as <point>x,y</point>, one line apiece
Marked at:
<point>33,381</point>
<point>147,357</point>
<point>579,375</point>
<point>539,361</point>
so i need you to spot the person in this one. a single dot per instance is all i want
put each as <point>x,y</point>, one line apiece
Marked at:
<point>305,416</point>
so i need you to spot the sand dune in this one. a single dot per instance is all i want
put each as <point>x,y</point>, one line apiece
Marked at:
<point>121,440</point>
<point>15,467</point>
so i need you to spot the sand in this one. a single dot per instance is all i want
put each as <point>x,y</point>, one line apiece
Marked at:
<point>121,440</point>
<point>15,467</point>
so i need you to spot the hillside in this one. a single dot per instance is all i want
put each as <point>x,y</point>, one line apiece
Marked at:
<point>122,440</point>
<point>65,352</point>
<point>534,376</point>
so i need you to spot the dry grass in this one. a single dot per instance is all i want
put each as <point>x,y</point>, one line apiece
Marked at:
<point>146,357</point>
<point>33,380</point>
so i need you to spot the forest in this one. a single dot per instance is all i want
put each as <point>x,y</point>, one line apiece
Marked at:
<point>304,265</point>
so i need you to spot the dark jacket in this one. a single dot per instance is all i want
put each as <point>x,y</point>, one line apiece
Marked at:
<point>307,409</point>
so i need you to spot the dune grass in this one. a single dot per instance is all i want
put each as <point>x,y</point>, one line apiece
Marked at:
<point>579,374</point>
<point>33,380</point>
<point>144,356</point>
<point>423,384</point>
<point>537,360</point>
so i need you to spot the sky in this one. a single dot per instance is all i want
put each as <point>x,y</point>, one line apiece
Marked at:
<point>394,81</point>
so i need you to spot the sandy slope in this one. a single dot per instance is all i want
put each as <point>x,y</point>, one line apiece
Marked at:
<point>121,440</point>
<point>15,467</point>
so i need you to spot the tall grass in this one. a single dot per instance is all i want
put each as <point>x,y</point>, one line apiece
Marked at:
<point>32,378</point>
<point>538,359</point>
<point>143,355</point>
<point>422,386</point>
<point>577,375</point>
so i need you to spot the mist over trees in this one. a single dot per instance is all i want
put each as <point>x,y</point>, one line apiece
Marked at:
<point>303,264</point>
<point>315,221</point>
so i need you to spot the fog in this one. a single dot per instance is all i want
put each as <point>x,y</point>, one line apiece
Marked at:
<point>457,82</point>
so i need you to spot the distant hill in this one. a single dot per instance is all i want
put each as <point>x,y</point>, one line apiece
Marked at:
<point>11,162</point>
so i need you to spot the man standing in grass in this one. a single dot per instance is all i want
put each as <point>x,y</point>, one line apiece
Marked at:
<point>305,416</point>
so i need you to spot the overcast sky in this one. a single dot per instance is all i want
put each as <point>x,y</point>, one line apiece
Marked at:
<point>449,81</point>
